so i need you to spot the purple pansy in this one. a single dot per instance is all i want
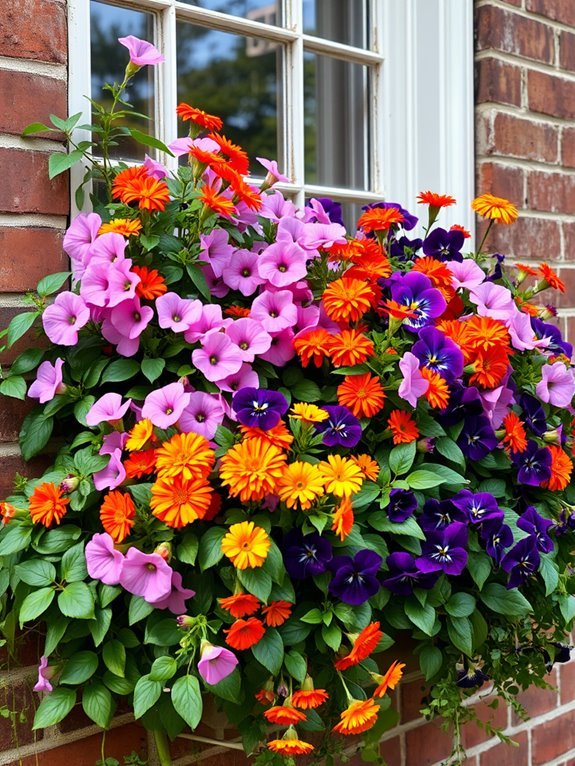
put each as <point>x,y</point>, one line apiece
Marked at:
<point>521,561</point>
<point>533,415</point>
<point>259,407</point>
<point>445,550</point>
<point>341,428</point>
<point>404,575</point>
<point>464,403</point>
<point>538,527</point>
<point>533,464</point>
<point>477,438</point>
<point>478,506</point>
<point>545,331</point>
<point>439,353</point>
<point>496,537</point>
<point>445,245</point>
<point>438,514</point>
<point>355,579</point>
<point>306,555</point>
<point>415,291</point>
<point>402,505</point>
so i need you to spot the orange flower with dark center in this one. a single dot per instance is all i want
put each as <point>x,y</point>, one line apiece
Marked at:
<point>277,613</point>
<point>140,464</point>
<point>151,284</point>
<point>177,501</point>
<point>561,469</point>
<point>403,427</point>
<point>515,437</point>
<point>47,504</point>
<point>379,219</point>
<point>362,394</point>
<point>367,465</point>
<point>343,518</point>
<point>300,485</point>
<point>390,679</point>
<point>363,645</point>
<point>125,226</point>
<point>495,208</point>
<point>238,158</point>
<point>200,118</point>
<point>240,605</point>
<point>237,311</point>
<point>438,391</point>
<point>551,277</point>
<point>350,347</point>
<point>490,367</point>
<point>244,634</point>
<point>347,300</point>
<point>309,699</point>
<point>284,715</point>
<point>251,469</point>
<point>117,514</point>
<point>435,200</point>
<point>279,435</point>
<point>312,346</point>
<point>485,333</point>
<point>215,201</point>
<point>148,192</point>
<point>187,455</point>
<point>458,332</point>
<point>358,717</point>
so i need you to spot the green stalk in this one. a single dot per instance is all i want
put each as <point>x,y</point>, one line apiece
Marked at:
<point>162,747</point>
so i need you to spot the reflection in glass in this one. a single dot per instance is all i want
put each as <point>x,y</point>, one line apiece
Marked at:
<point>265,11</point>
<point>345,21</point>
<point>336,122</point>
<point>235,78</point>
<point>109,60</point>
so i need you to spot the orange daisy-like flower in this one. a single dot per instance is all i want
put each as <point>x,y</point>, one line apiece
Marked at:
<point>289,747</point>
<point>47,504</point>
<point>363,645</point>
<point>124,179</point>
<point>490,367</point>
<point>369,261</point>
<point>309,699</point>
<point>313,346</point>
<point>300,485</point>
<point>367,465</point>
<point>526,270</point>
<point>151,284</point>
<point>515,437</point>
<point>125,226</point>
<point>277,613</point>
<point>458,332</point>
<point>308,413</point>
<point>379,219</point>
<point>237,157</point>
<point>246,545</point>
<point>221,205</point>
<point>349,347</point>
<point>358,717</point>
<point>240,605</point>
<point>438,392</point>
<point>388,680</point>
<point>203,159</point>
<point>7,512</point>
<point>279,435</point>
<point>148,192</point>
<point>347,300</point>
<point>198,117</point>
<point>403,427</point>
<point>438,272</point>
<point>396,310</point>
<point>187,455</point>
<point>462,229</point>
<point>140,464</point>
<point>561,469</point>
<point>362,394</point>
<point>551,277</point>
<point>140,435</point>
<point>252,469</point>
<point>178,501</point>
<point>342,476</point>
<point>343,518</point>
<point>485,333</point>
<point>527,308</point>
<point>284,715</point>
<point>117,514</point>
<point>237,311</point>
<point>244,634</point>
<point>265,696</point>
<point>495,208</point>
<point>435,200</point>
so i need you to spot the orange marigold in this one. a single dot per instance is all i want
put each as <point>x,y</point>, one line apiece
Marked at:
<point>300,485</point>
<point>244,634</point>
<point>362,394</point>
<point>140,464</point>
<point>435,200</point>
<point>284,715</point>
<point>359,716</point>
<point>350,347</point>
<point>148,192</point>
<point>221,205</point>
<point>187,455</point>
<point>312,346</point>
<point>485,333</point>
<point>396,310</point>
<point>495,208</point>
<point>515,437</point>
<point>117,514</point>
<point>438,391</point>
<point>363,645</point>
<point>276,613</point>
<point>367,465</point>
<point>125,226</point>
<point>290,747</point>
<point>438,272</point>
<point>379,219</point>
<point>240,604</point>
<point>125,177</point>
<point>178,501</point>
<point>237,157</point>
<point>47,504</point>
<point>388,680</point>
<point>343,518</point>
<point>347,300</point>
<point>237,311</point>
<point>551,277</point>
<point>309,699</point>
<point>251,469</point>
<point>490,367</point>
<point>279,435</point>
<point>140,435</point>
<point>198,117</point>
<point>403,427</point>
<point>151,284</point>
<point>561,469</point>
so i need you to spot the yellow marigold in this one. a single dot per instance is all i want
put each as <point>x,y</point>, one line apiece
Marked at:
<point>252,468</point>
<point>246,545</point>
<point>367,465</point>
<point>495,208</point>
<point>187,455</point>
<point>127,227</point>
<point>308,413</point>
<point>177,501</point>
<point>140,435</point>
<point>342,476</point>
<point>300,484</point>
<point>358,717</point>
<point>347,300</point>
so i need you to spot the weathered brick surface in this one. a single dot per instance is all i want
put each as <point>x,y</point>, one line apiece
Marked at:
<point>30,98</point>
<point>553,192</point>
<point>553,739</point>
<point>27,255</point>
<point>505,755</point>
<point>427,744</point>
<point>507,31</point>
<point>498,81</point>
<point>26,187</point>
<point>557,10</point>
<point>506,135</point>
<point>551,94</point>
<point>501,180</point>
<point>34,29</point>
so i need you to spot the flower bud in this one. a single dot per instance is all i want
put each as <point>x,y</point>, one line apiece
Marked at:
<point>554,436</point>
<point>427,444</point>
<point>164,550</point>
<point>69,484</point>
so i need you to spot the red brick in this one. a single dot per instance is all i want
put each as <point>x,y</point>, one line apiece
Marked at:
<point>12,464</point>
<point>45,96</point>
<point>567,670</point>
<point>498,81</point>
<point>21,701</point>
<point>566,299</point>
<point>550,94</point>
<point>568,147</point>
<point>427,744</point>
<point>501,180</point>
<point>517,137</point>
<point>569,241</point>
<point>390,751</point>
<point>507,31</point>
<point>34,29</point>
<point>553,738</point>
<point>28,255</point>
<point>567,51</point>
<point>472,734</point>
<point>12,412</point>
<point>26,187</point>
<point>507,755</point>
<point>412,700</point>
<point>538,701</point>
<point>551,192</point>
<point>527,238</point>
<point>557,10</point>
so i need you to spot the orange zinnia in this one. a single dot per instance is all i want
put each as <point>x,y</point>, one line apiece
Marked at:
<point>277,613</point>
<point>379,219</point>
<point>198,117</point>
<point>490,367</point>
<point>240,605</point>
<point>561,469</point>
<point>125,226</point>
<point>495,208</point>
<point>349,347</point>
<point>551,277</point>
<point>362,394</point>
<point>359,716</point>
<point>515,436</point>
<point>238,158</point>
<point>140,435</point>
<point>438,273</point>
<point>284,715</point>
<point>368,466</point>
<point>343,478</point>
<point>300,485</point>
<point>435,200</point>
<point>148,192</point>
<point>251,469</point>
<point>47,504</point>
<point>485,333</point>
<point>177,501</point>
<point>290,746</point>
<point>527,270</point>
<point>151,284</point>
<point>244,634</point>
<point>187,455</point>
<point>217,202</point>
<point>388,680</point>
<point>140,463</point>
<point>309,699</point>
<point>237,311</point>
<point>125,177</point>
<point>312,346</point>
<point>343,519</point>
<point>279,435</point>
<point>117,514</point>
<point>363,645</point>
<point>403,427</point>
<point>347,300</point>
<point>438,392</point>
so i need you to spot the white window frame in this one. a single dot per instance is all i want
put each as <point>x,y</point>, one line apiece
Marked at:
<point>421,111</point>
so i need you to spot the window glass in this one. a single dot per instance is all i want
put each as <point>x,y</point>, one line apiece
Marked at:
<point>265,11</point>
<point>344,21</point>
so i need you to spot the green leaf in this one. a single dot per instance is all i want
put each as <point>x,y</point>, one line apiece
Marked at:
<point>14,386</point>
<point>36,572</point>
<point>120,369</point>
<point>153,368</point>
<point>461,605</point>
<point>422,616</point>
<point>36,127</point>
<point>98,704</point>
<point>409,527</point>
<point>149,243</point>
<point>100,626</point>
<point>163,669</point>
<point>228,688</point>
<point>480,629</point>
<point>57,540</point>
<point>52,283</point>
<point>269,651</point>
<point>81,409</point>
<point>550,573</point>
<point>146,694</point>
<point>422,479</point>
<point>331,634</point>
<point>14,537</point>
<point>567,607</point>
<point>79,668</point>
<point>296,665</point>
<point>65,125</point>
<point>28,360</point>
<point>461,634</point>
<point>197,276</point>
<point>35,604</point>
<point>163,633</point>
<point>118,685</point>
<point>74,563</point>
<point>142,493</point>
<point>313,617</point>
<point>147,140</point>
<point>510,603</point>
<point>428,425</point>
<point>274,564</point>
<point>401,458</point>
<point>35,433</point>
<point>76,600</point>
<point>449,449</point>
<point>430,661</point>
<point>114,656</point>
<point>369,492</point>
<point>479,566</point>
<point>138,609</point>
<point>306,391</point>
<point>448,475</point>
<point>54,707</point>
<point>187,550</point>
<point>88,463</point>
<point>59,162</point>
<point>57,626</point>
<point>187,700</point>
<point>256,581</point>
<point>210,552</point>
<point>19,325</point>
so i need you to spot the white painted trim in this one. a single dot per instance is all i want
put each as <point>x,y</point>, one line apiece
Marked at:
<point>79,73</point>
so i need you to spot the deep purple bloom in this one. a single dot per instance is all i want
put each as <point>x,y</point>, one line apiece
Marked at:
<point>556,343</point>
<point>305,555</point>
<point>341,428</point>
<point>521,561</point>
<point>404,248</point>
<point>416,291</point>
<point>404,575</point>
<point>439,353</point>
<point>533,464</point>
<point>477,439</point>
<point>538,527</point>
<point>440,514</point>
<point>355,579</point>
<point>533,415</point>
<point>445,245</point>
<point>479,506</point>
<point>470,678</point>
<point>259,407</point>
<point>331,208</point>
<point>463,403</point>
<point>402,505</point>
<point>445,550</point>
<point>497,537</point>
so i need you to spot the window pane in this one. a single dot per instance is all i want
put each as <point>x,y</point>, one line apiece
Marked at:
<point>109,60</point>
<point>265,11</point>
<point>235,78</point>
<point>336,122</point>
<point>345,21</point>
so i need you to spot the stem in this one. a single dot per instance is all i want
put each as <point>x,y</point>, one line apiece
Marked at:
<point>491,222</point>
<point>103,748</point>
<point>162,747</point>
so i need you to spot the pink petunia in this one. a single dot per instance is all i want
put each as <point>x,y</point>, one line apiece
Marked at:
<point>250,338</point>
<point>108,248</point>
<point>155,169</point>
<point>413,384</point>
<point>142,53</point>
<point>107,409</point>
<point>113,441</point>
<point>242,274</point>
<point>103,561</point>
<point>216,285</point>
<point>108,284</point>
<point>218,357</point>
<point>273,173</point>
<point>45,673</point>
<point>147,575</point>
<point>557,385</point>
<point>275,310</point>
<point>112,475</point>
<point>211,319</point>
<point>216,663</point>
<point>245,377</point>
<point>165,406</point>
<point>282,349</point>
<point>493,301</point>
<point>203,415</point>
<point>283,264</point>
<point>177,314</point>
<point>176,599</point>
<point>48,381</point>
<point>465,274</point>
<point>64,318</point>
<point>77,241</point>
<point>130,318</point>
<point>124,346</point>
<point>276,207</point>
<point>322,235</point>
<point>216,250</point>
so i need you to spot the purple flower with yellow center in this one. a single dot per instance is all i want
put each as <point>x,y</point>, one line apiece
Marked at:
<point>444,550</point>
<point>305,555</point>
<point>521,561</point>
<point>355,579</point>
<point>496,537</point>
<point>439,353</point>
<point>533,415</point>
<point>533,464</point>
<point>477,438</point>
<point>538,528</point>
<point>341,428</point>
<point>402,505</point>
<point>415,291</point>
<point>404,575</point>
<point>438,514</point>
<point>479,506</point>
<point>259,407</point>
<point>445,245</point>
